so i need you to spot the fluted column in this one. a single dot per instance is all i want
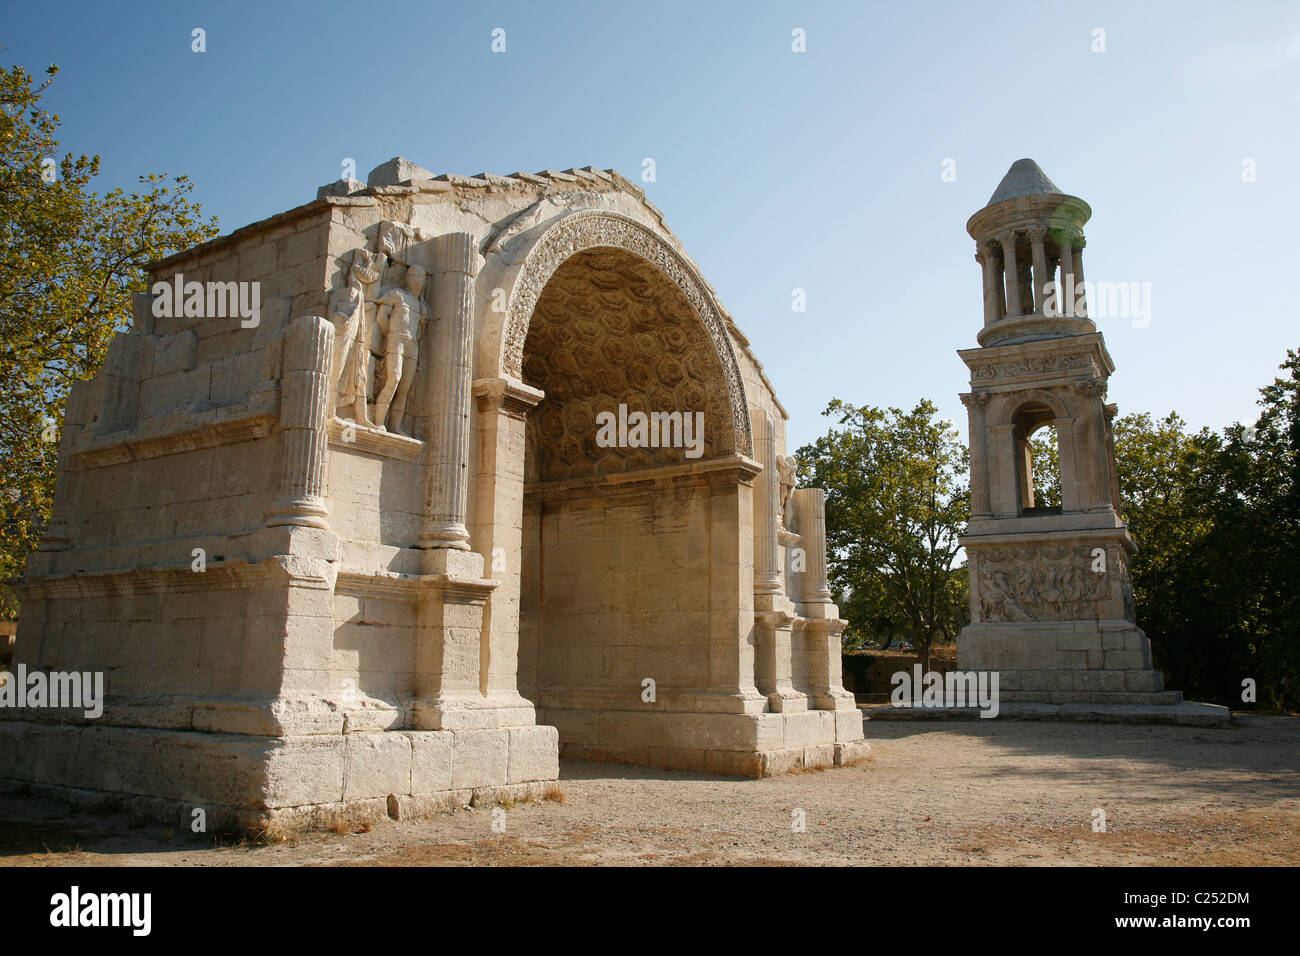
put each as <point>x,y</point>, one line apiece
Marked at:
<point>304,412</point>
<point>810,507</point>
<point>819,623</point>
<point>1012,274</point>
<point>1042,276</point>
<point>448,395</point>
<point>767,499</point>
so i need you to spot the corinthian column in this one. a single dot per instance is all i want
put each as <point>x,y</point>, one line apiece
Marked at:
<point>1078,277</point>
<point>1038,246</point>
<point>448,396</point>
<point>1065,289</point>
<point>1012,272</point>
<point>988,260</point>
<point>304,414</point>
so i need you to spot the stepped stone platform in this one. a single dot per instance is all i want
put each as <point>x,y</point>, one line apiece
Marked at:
<point>1186,713</point>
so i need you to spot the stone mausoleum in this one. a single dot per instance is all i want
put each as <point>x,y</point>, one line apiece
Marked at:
<point>1051,600</point>
<point>368,551</point>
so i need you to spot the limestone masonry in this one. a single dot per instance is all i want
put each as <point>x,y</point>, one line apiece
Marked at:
<point>364,553</point>
<point>1051,601</point>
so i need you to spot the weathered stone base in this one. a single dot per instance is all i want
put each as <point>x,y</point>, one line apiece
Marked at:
<point>247,783</point>
<point>749,745</point>
<point>1187,713</point>
<point>1066,662</point>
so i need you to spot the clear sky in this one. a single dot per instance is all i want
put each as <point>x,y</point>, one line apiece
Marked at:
<point>819,170</point>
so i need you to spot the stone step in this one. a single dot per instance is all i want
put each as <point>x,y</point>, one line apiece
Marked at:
<point>1161,698</point>
<point>1187,713</point>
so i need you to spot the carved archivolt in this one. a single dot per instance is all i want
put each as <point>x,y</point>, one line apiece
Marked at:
<point>1047,584</point>
<point>590,230</point>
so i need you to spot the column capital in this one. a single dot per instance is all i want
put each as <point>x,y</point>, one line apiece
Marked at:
<point>1091,388</point>
<point>508,396</point>
<point>975,399</point>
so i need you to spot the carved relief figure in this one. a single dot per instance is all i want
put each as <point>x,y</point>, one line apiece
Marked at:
<point>1019,585</point>
<point>348,312</point>
<point>786,468</point>
<point>400,319</point>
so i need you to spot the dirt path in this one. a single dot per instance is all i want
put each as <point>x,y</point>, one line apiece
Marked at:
<point>933,793</point>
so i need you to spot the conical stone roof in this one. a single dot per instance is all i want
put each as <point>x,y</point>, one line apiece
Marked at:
<point>1024,178</point>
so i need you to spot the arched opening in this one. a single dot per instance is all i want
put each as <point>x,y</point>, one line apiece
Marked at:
<point>617,520</point>
<point>1037,459</point>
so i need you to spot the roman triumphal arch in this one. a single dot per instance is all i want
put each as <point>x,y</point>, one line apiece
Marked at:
<point>493,478</point>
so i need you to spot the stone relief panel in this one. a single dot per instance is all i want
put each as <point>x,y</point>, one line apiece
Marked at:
<point>1043,584</point>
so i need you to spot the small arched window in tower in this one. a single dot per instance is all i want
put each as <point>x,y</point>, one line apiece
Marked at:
<point>1037,458</point>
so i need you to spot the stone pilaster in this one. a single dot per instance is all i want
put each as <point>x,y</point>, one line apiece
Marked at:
<point>448,395</point>
<point>304,416</point>
<point>975,403</point>
<point>503,405</point>
<point>453,593</point>
<point>1099,450</point>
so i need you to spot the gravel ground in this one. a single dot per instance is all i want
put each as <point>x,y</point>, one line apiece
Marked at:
<point>953,792</point>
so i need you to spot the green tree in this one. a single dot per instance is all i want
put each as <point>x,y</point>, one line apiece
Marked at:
<point>896,500</point>
<point>70,260</point>
<point>1046,467</point>
<point>1216,520</point>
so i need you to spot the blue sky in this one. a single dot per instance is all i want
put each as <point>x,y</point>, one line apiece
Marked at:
<point>778,170</point>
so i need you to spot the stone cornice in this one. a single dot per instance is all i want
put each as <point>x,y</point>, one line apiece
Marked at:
<point>373,441</point>
<point>706,471</point>
<point>1071,357</point>
<point>234,425</point>
<point>457,589</point>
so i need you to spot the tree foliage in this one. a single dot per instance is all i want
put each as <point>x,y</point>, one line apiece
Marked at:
<point>70,261</point>
<point>1217,521</point>
<point>895,502</point>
